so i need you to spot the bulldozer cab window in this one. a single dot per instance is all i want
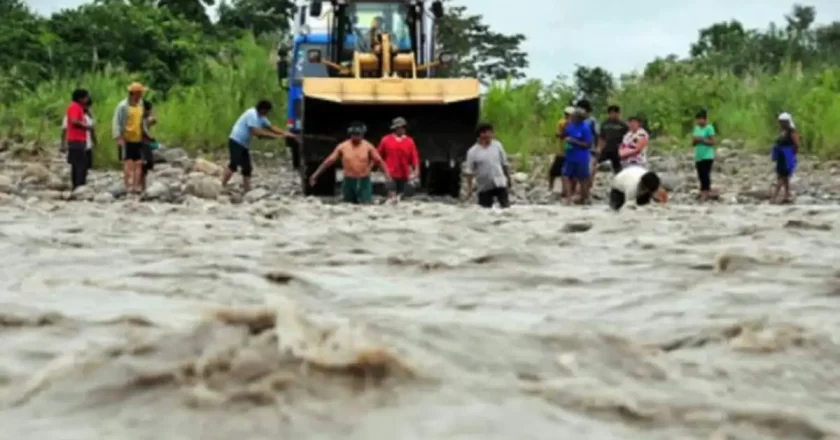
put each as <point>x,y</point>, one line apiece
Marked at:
<point>391,18</point>
<point>305,69</point>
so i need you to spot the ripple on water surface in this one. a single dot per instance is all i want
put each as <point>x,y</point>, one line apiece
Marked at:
<point>418,321</point>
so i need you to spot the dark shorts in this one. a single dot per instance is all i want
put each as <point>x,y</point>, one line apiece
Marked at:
<point>486,198</point>
<point>576,169</point>
<point>132,151</point>
<point>557,166</point>
<point>611,156</point>
<point>240,158</point>
<point>148,158</point>
<point>398,186</point>
<point>357,190</point>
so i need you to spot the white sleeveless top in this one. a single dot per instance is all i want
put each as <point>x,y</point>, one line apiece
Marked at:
<point>630,140</point>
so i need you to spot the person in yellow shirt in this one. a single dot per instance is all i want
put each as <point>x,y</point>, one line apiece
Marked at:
<point>128,132</point>
<point>556,170</point>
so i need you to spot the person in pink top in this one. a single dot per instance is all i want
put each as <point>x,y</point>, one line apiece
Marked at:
<point>399,152</point>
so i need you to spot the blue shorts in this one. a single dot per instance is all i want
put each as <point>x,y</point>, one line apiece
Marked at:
<point>577,166</point>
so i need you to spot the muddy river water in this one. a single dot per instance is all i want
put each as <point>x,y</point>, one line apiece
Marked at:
<point>418,321</point>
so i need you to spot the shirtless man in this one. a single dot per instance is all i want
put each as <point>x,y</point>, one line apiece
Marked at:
<point>357,159</point>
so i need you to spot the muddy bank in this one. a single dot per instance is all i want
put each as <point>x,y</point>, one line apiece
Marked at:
<point>741,179</point>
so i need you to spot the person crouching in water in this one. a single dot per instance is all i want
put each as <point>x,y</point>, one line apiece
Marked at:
<point>399,152</point>
<point>576,171</point>
<point>784,154</point>
<point>635,185</point>
<point>357,159</point>
<point>556,170</point>
<point>149,142</point>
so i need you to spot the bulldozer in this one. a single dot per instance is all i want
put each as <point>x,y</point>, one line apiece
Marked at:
<point>381,63</point>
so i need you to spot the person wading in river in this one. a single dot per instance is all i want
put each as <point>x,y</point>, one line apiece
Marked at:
<point>358,157</point>
<point>784,154</point>
<point>253,122</point>
<point>77,137</point>
<point>399,152</point>
<point>487,164</point>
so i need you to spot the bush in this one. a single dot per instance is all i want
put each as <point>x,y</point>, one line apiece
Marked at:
<point>200,116</point>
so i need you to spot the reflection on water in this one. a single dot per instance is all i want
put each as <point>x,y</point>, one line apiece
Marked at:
<point>418,321</point>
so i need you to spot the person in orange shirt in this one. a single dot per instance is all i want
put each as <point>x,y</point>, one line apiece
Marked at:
<point>357,159</point>
<point>399,152</point>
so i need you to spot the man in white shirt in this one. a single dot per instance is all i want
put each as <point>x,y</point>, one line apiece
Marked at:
<point>635,185</point>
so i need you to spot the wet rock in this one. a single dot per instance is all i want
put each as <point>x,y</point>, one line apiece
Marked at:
<point>520,177</point>
<point>103,198</point>
<point>170,155</point>
<point>156,190</point>
<point>802,224</point>
<point>256,195</point>
<point>6,199</point>
<point>57,184</point>
<point>117,190</point>
<point>204,187</point>
<point>6,185</point>
<point>85,193</point>
<point>37,174</point>
<point>206,167</point>
<point>48,195</point>
<point>577,226</point>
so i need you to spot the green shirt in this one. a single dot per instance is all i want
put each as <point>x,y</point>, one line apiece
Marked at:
<point>703,151</point>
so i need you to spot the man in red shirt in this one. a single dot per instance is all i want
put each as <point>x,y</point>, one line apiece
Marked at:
<point>400,154</point>
<point>76,136</point>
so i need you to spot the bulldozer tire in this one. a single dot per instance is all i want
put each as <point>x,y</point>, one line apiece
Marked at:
<point>325,187</point>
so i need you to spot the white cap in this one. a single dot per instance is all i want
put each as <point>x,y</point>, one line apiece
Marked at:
<point>785,117</point>
<point>569,110</point>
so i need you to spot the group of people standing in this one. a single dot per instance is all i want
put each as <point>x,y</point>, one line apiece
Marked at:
<point>585,145</point>
<point>131,127</point>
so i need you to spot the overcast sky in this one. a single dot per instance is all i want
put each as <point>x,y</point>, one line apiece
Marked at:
<point>615,34</point>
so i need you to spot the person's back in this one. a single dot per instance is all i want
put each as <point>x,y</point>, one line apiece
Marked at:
<point>635,185</point>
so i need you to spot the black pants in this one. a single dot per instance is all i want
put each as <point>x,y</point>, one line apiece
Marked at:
<point>611,156</point>
<point>557,166</point>
<point>704,173</point>
<point>240,157</point>
<point>77,157</point>
<point>486,198</point>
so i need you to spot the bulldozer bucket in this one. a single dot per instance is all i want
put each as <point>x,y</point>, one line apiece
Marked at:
<point>441,113</point>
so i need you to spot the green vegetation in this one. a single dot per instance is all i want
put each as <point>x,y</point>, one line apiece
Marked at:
<point>203,74</point>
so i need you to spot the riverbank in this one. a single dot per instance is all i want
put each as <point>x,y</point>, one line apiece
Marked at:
<point>28,174</point>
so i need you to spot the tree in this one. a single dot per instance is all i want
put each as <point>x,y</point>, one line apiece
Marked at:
<point>192,10</point>
<point>259,16</point>
<point>479,51</point>
<point>594,83</point>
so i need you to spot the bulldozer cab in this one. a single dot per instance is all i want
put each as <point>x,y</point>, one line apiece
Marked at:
<point>381,59</point>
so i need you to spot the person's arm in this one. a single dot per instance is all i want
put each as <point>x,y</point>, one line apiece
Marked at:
<point>505,164</point>
<point>118,123</point>
<point>710,135</point>
<point>415,161</point>
<point>377,159</point>
<point>470,172</point>
<point>641,144</point>
<point>328,162</point>
<point>279,131</point>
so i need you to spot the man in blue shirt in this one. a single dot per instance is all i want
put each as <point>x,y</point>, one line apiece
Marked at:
<point>252,123</point>
<point>576,171</point>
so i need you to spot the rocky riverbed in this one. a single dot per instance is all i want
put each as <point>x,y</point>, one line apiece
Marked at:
<point>740,178</point>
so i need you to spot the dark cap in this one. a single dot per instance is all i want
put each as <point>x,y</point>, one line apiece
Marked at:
<point>356,129</point>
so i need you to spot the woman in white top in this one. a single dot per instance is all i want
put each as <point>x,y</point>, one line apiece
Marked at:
<point>632,148</point>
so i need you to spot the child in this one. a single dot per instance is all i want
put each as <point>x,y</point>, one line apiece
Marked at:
<point>149,142</point>
<point>703,139</point>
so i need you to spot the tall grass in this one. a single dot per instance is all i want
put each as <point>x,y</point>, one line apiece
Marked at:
<point>199,117</point>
